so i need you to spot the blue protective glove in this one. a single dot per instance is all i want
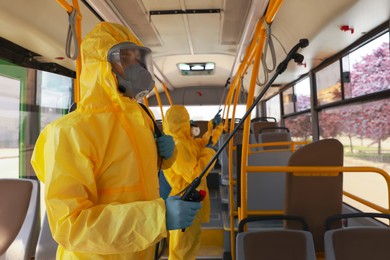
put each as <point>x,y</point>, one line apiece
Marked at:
<point>217,119</point>
<point>165,146</point>
<point>180,213</point>
<point>210,145</point>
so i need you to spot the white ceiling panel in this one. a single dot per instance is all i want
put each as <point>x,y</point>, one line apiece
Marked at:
<point>168,66</point>
<point>205,26</point>
<point>173,35</point>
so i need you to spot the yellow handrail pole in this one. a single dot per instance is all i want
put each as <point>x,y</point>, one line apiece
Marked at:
<point>255,51</point>
<point>237,82</point>
<point>269,17</point>
<point>228,102</point>
<point>260,40</point>
<point>78,60</point>
<point>159,101</point>
<point>65,5</point>
<point>167,93</point>
<point>146,101</point>
<point>329,170</point>
<point>292,145</point>
<point>225,113</point>
<point>245,135</point>
<point>235,102</point>
<point>68,8</point>
<point>366,202</point>
<point>273,10</point>
<point>231,185</point>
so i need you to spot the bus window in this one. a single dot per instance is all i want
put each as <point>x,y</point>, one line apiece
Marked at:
<point>300,127</point>
<point>329,84</point>
<point>9,132</point>
<point>206,112</point>
<point>302,94</point>
<point>54,95</point>
<point>273,107</point>
<point>364,130</point>
<point>365,70</point>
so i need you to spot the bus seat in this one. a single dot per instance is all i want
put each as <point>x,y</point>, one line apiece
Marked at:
<point>276,136</point>
<point>273,243</point>
<point>266,190</point>
<point>315,197</point>
<point>19,222</point>
<point>257,126</point>
<point>357,242</point>
<point>47,246</point>
<point>224,159</point>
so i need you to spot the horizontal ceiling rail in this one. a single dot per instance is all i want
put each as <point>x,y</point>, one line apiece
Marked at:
<point>188,11</point>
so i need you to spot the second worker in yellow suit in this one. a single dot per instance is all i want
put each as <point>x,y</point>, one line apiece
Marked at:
<point>192,157</point>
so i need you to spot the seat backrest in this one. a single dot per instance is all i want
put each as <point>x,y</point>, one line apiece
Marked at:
<point>19,222</point>
<point>266,190</point>
<point>237,139</point>
<point>358,243</point>
<point>315,197</point>
<point>270,137</point>
<point>47,246</point>
<point>257,126</point>
<point>275,244</point>
<point>224,159</point>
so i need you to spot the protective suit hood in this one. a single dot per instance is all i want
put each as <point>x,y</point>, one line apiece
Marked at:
<point>98,84</point>
<point>177,122</point>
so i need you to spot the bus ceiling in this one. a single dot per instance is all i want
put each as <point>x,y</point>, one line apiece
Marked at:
<point>180,32</point>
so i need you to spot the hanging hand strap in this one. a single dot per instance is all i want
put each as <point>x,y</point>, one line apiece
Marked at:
<point>72,35</point>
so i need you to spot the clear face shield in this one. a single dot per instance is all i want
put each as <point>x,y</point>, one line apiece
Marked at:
<point>132,64</point>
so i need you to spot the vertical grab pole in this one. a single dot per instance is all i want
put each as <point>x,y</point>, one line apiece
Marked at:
<point>167,93</point>
<point>68,8</point>
<point>260,39</point>
<point>159,101</point>
<point>78,60</point>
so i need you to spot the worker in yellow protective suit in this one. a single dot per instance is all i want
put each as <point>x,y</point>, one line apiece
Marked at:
<point>192,158</point>
<point>99,163</point>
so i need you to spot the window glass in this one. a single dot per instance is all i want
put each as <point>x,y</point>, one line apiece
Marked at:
<point>54,96</point>
<point>364,130</point>
<point>288,101</point>
<point>300,127</point>
<point>9,131</point>
<point>48,115</point>
<point>55,90</point>
<point>203,112</point>
<point>328,84</point>
<point>302,94</point>
<point>367,69</point>
<point>273,107</point>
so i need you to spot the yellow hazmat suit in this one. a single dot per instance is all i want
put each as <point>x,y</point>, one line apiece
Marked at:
<point>99,165</point>
<point>192,158</point>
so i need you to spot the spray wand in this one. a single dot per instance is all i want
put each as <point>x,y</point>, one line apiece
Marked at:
<point>190,191</point>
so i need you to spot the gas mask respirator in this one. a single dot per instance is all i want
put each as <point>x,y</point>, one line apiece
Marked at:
<point>132,66</point>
